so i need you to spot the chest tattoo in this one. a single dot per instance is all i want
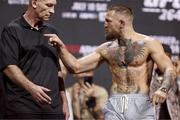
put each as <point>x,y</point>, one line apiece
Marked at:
<point>125,55</point>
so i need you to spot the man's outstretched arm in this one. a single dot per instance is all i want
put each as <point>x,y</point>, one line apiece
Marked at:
<point>74,65</point>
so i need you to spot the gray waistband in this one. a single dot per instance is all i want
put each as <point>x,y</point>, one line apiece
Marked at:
<point>129,95</point>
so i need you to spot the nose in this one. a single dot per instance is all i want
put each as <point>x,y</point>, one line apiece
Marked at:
<point>105,23</point>
<point>52,10</point>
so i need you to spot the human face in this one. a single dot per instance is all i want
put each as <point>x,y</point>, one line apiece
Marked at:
<point>112,25</point>
<point>44,9</point>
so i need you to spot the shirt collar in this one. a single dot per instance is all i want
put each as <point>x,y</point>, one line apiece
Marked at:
<point>28,26</point>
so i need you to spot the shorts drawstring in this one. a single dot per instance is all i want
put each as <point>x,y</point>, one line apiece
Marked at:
<point>124,103</point>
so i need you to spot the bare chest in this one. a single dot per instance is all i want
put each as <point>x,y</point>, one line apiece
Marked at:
<point>131,55</point>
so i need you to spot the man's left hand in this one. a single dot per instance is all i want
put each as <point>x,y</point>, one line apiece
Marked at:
<point>159,97</point>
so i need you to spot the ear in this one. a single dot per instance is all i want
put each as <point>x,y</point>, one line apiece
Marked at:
<point>122,23</point>
<point>34,3</point>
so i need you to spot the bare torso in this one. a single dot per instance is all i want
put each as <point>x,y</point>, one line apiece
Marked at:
<point>130,65</point>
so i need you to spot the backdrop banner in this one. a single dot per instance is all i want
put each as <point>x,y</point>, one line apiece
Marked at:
<point>81,24</point>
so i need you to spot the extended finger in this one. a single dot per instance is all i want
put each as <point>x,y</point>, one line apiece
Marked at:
<point>39,99</point>
<point>44,94</point>
<point>43,100</point>
<point>88,85</point>
<point>45,89</point>
<point>154,100</point>
<point>49,35</point>
<point>84,87</point>
<point>161,99</point>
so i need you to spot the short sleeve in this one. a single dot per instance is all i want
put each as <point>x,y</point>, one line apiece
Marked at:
<point>8,48</point>
<point>52,30</point>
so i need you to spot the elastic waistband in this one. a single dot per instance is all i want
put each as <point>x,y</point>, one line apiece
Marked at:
<point>129,95</point>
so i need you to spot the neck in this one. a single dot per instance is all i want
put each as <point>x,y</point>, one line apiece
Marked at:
<point>31,18</point>
<point>127,36</point>
<point>128,33</point>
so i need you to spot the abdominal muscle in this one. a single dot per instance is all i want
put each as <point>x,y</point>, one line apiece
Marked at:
<point>130,80</point>
<point>125,89</point>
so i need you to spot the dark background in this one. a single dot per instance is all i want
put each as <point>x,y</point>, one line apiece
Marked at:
<point>78,33</point>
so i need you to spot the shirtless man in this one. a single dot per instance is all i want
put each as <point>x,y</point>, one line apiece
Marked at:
<point>130,57</point>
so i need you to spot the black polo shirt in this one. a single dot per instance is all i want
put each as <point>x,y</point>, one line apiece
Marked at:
<point>28,48</point>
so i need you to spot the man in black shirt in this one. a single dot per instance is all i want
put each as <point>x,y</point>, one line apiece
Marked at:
<point>32,90</point>
<point>2,99</point>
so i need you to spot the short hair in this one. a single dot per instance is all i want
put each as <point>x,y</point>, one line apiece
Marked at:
<point>122,9</point>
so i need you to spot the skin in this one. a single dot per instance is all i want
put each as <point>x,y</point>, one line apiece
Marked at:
<point>129,55</point>
<point>88,91</point>
<point>37,12</point>
<point>176,63</point>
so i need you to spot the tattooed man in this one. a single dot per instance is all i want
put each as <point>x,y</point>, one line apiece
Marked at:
<point>130,57</point>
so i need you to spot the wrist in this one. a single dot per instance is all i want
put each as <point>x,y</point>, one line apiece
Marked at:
<point>29,87</point>
<point>62,46</point>
<point>63,96</point>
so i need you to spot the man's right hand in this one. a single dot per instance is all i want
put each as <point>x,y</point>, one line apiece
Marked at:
<point>18,77</point>
<point>39,94</point>
<point>54,40</point>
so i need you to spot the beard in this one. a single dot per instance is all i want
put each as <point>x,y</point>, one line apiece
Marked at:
<point>111,36</point>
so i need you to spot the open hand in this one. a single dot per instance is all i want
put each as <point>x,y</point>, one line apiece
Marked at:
<point>159,97</point>
<point>39,94</point>
<point>88,89</point>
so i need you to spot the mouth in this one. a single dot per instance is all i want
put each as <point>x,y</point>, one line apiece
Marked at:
<point>47,15</point>
<point>105,29</point>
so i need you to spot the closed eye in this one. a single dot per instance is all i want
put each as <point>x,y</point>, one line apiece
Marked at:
<point>107,20</point>
<point>49,5</point>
